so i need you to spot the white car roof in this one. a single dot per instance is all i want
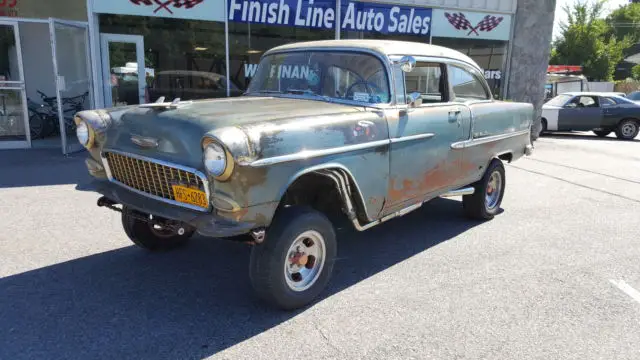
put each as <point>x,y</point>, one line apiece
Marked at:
<point>384,47</point>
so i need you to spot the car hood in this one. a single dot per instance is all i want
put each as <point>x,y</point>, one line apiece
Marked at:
<point>179,131</point>
<point>551,107</point>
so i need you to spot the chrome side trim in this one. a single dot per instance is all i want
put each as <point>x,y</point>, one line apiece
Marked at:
<point>202,176</point>
<point>488,139</point>
<point>459,192</point>
<point>412,138</point>
<point>309,154</point>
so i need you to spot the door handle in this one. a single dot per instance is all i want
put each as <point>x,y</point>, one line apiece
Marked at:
<point>454,116</point>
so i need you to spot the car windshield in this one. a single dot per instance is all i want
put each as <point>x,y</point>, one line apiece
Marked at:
<point>329,75</point>
<point>559,100</point>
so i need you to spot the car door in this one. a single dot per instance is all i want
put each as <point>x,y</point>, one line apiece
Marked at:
<point>422,162</point>
<point>612,112</point>
<point>582,113</point>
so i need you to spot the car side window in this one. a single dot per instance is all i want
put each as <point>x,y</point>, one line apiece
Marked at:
<point>429,80</point>
<point>466,86</point>
<point>583,102</point>
<point>605,102</point>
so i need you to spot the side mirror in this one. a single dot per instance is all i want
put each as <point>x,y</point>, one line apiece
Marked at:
<point>407,63</point>
<point>415,99</point>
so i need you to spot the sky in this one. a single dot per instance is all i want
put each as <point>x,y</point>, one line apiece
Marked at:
<point>561,16</point>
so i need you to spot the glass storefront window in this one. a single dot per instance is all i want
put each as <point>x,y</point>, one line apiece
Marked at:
<point>183,58</point>
<point>247,43</point>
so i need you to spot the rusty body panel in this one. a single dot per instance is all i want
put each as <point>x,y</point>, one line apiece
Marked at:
<point>389,157</point>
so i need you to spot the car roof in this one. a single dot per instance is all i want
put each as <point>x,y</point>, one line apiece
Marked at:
<point>384,47</point>
<point>593,93</point>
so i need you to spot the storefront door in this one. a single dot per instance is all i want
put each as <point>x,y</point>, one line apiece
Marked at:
<point>72,69</point>
<point>123,69</point>
<point>14,126</point>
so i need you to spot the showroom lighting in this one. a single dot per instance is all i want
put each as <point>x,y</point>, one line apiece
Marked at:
<point>200,48</point>
<point>253,51</point>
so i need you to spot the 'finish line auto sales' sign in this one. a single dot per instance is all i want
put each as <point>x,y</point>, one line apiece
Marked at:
<point>321,14</point>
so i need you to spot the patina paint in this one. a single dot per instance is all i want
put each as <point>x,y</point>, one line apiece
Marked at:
<point>395,155</point>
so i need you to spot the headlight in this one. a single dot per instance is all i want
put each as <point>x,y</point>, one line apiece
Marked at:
<point>217,160</point>
<point>84,132</point>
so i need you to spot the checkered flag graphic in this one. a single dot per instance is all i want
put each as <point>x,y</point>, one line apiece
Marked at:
<point>489,23</point>
<point>166,4</point>
<point>459,21</point>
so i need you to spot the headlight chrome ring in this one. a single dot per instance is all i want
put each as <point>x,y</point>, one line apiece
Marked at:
<point>218,161</point>
<point>84,132</point>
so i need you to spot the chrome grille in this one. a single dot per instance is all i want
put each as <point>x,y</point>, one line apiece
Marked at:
<point>150,177</point>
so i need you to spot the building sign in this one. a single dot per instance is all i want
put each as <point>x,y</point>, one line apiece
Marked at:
<point>321,14</point>
<point>493,74</point>
<point>471,25</point>
<point>386,19</point>
<point>211,10</point>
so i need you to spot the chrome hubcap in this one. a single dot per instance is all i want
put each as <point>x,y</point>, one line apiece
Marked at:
<point>304,260</point>
<point>628,129</point>
<point>494,188</point>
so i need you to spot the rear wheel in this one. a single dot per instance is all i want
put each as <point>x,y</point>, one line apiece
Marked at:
<point>485,202</point>
<point>152,237</point>
<point>602,133</point>
<point>294,264</point>
<point>627,129</point>
<point>36,125</point>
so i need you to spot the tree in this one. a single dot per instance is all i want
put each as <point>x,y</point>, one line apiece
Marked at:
<point>625,21</point>
<point>635,72</point>
<point>586,40</point>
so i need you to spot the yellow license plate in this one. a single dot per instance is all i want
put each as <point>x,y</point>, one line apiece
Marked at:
<point>190,196</point>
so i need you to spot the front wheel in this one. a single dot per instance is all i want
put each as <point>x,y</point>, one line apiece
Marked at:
<point>150,236</point>
<point>294,264</point>
<point>627,129</point>
<point>485,202</point>
<point>543,127</point>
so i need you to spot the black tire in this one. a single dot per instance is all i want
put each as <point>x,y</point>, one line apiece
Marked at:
<point>147,237</point>
<point>476,205</point>
<point>268,260</point>
<point>628,129</point>
<point>36,125</point>
<point>543,127</point>
<point>602,133</point>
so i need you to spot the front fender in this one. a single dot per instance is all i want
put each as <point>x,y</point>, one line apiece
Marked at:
<point>355,188</point>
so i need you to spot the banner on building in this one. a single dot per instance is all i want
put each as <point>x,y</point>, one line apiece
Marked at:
<point>321,14</point>
<point>471,25</point>
<point>211,10</point>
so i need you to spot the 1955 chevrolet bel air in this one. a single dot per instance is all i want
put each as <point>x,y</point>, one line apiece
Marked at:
<point>366,130</point>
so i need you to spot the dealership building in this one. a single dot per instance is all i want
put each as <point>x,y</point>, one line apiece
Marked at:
<point>121,52</point>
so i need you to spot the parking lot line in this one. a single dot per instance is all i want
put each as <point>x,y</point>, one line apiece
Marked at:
<point>627,289</point>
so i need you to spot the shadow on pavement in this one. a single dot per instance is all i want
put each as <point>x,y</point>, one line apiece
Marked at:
<point>190,303</point>
<point>585,136</point>
<point>39,167</point>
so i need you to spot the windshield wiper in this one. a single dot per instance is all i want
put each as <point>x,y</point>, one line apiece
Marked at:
<point>308,93</point>
<point>266,92</point>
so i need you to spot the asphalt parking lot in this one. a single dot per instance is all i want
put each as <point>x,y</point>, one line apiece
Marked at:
<point>552,277</point>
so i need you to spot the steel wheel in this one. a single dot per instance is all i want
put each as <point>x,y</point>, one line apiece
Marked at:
<point>494,189</point>
<point>628,129</point>
<point>304,260</point>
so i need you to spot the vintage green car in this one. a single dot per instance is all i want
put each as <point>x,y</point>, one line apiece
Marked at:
<point>363,130</point>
